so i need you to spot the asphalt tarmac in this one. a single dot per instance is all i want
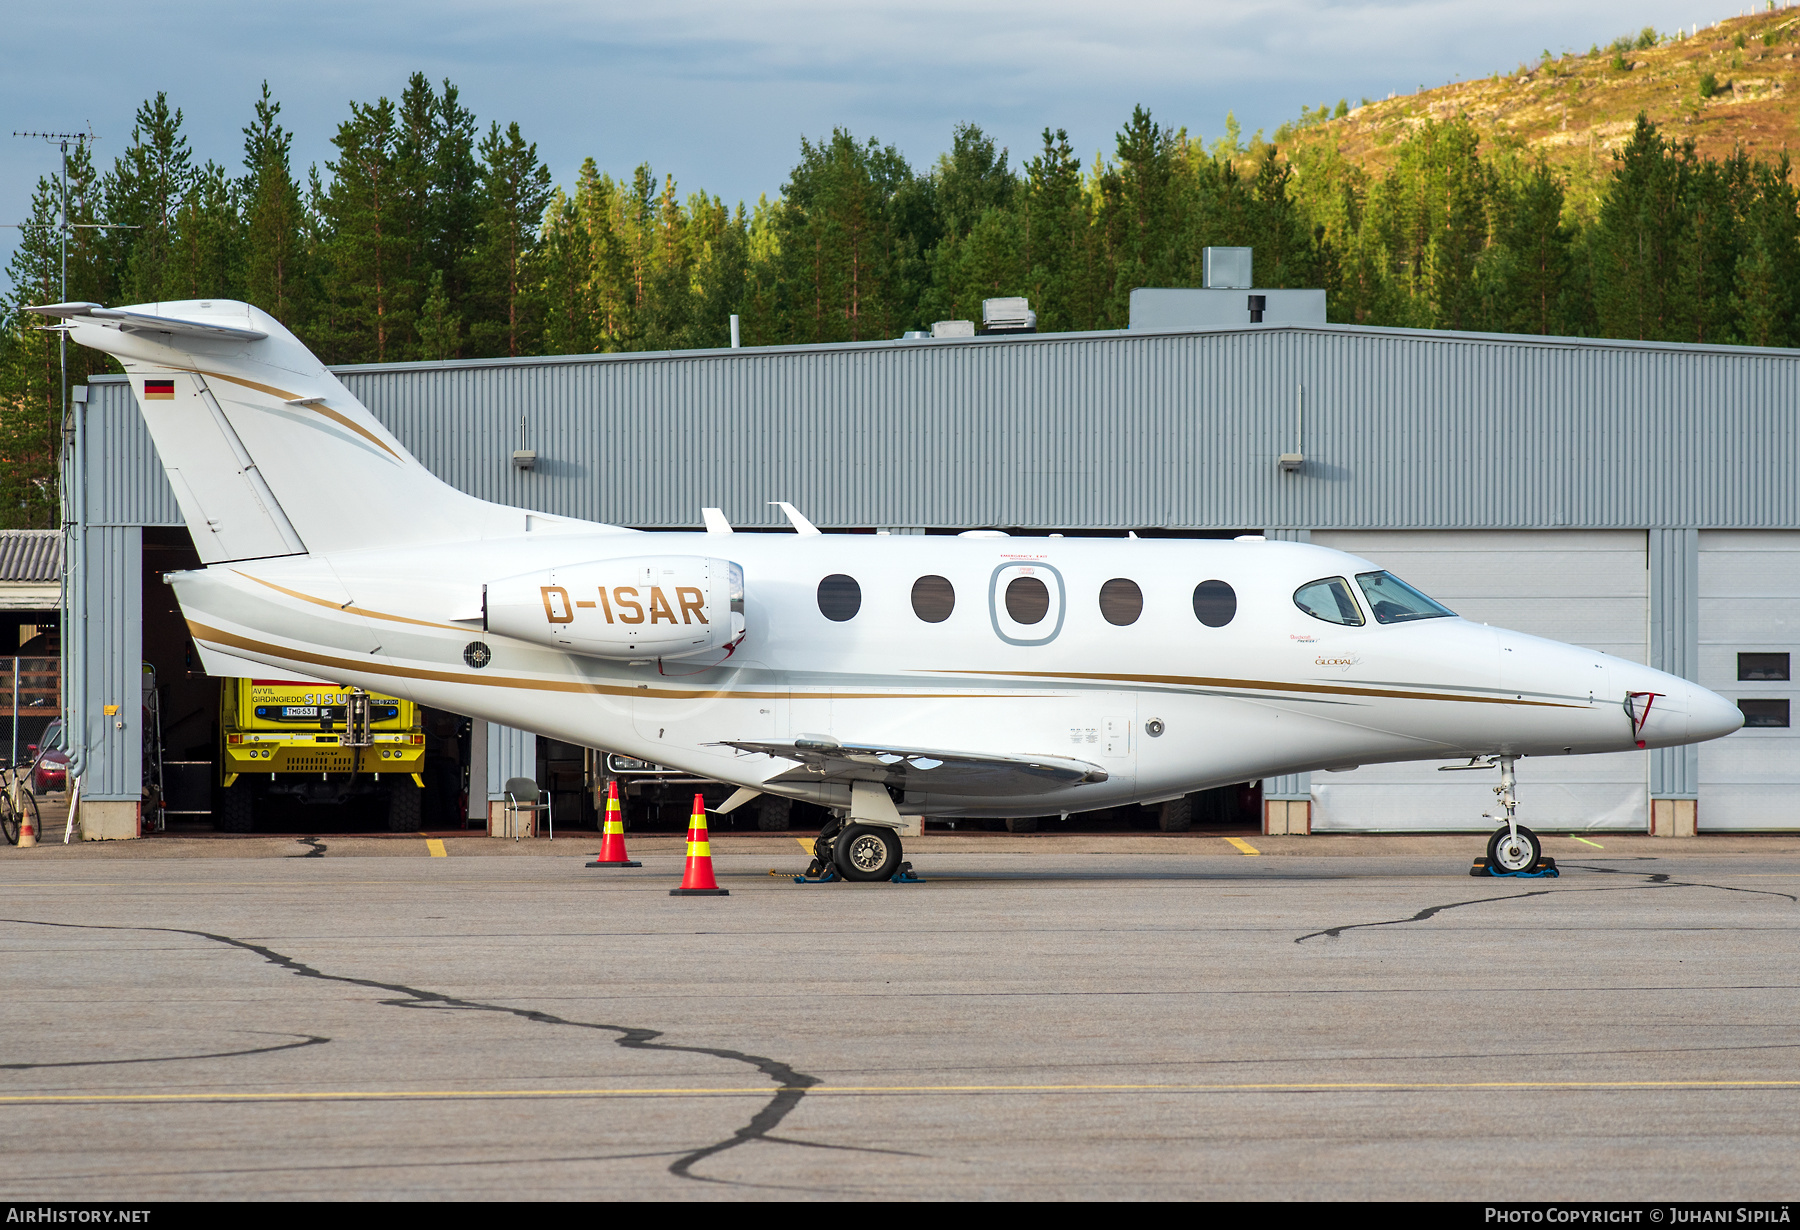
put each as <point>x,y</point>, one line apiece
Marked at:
<point>1194,1022</point>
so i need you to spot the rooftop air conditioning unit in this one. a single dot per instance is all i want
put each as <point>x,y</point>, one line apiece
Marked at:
<point>1012,315</point>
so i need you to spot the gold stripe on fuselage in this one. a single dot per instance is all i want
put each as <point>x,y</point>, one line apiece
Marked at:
<point>230,640</point>
<point>328,604</point>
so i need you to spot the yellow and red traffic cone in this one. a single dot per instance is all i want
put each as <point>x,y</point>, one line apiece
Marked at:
<point>697,880</point>
<point>612,838</point>
<point>27,831</point>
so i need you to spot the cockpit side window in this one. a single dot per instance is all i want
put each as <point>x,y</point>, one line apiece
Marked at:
<point>1329,599</point>
<point>1393,601</point>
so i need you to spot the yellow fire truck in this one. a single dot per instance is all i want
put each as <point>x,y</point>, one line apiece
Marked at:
<point>319,745</point>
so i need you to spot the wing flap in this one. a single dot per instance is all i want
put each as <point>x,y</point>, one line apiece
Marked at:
<point>923,770</point>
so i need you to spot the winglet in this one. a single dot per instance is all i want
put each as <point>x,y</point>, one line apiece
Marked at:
<point>715,521</point>
<point>801,525</point>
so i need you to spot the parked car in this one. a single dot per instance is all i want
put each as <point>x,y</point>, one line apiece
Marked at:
<point>49,762</point>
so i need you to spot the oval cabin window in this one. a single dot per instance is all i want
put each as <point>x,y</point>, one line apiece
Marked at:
<point>1215,603</point>
<point>933,599</point>
<point>1027,600</point>
<point>840,597</point>
<point>1121,602</point>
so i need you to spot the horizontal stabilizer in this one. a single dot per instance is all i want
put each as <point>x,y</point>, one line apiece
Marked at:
<point>149,322</point>
<point>924,771</point>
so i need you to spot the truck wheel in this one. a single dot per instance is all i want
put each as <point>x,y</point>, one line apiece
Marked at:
<point>406,807</point>
<point>235,809</point>
<point>773,815</point>
<point>1177,815</point>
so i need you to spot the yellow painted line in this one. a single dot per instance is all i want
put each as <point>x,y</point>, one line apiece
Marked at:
<point>1584,841</point>
<point>353,1095</point>
<point>1243,846</point>
<point>436,847</point>
<point>804,844</point>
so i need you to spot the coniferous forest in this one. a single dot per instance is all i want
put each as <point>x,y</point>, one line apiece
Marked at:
<point>431,236</point>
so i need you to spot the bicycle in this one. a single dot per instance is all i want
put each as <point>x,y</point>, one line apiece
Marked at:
<point>16,800</point>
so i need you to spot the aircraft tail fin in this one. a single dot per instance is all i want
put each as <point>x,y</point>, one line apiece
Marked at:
<point>267,452</point>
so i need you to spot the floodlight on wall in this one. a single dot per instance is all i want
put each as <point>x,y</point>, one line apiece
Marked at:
<point>524,459</point>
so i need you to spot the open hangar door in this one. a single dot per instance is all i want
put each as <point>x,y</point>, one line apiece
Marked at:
<point>181,754</point>
<point>1749,637</point>
<point>1585,587</point>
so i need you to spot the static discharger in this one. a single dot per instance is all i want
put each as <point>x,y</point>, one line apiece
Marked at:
<point>697,880</point>
<point>612,839</point>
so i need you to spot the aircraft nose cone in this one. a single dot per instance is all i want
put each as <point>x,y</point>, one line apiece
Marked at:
<point>1710,716</point>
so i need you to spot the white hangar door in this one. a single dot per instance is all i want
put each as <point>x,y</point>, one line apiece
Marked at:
<point>1749,638</point>
<point>1585,587</point>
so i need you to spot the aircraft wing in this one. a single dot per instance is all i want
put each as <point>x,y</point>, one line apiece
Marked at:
<point>924,770</point>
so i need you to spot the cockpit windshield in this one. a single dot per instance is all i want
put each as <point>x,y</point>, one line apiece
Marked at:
<point>1393,601</point>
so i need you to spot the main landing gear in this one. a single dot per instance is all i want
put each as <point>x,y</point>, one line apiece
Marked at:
<point>863,853</point>
<point>1513,850</point>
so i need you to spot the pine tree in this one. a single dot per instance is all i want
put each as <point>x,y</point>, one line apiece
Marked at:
<point>206,259</point>
<point>1639,236</point>
<point>274,246</point>
<point>1527,279</point>
<point>369,247</point>
<point>843,259</point>
<point>515,193</point>
<point>1054,240</point>
<point>145,191</point>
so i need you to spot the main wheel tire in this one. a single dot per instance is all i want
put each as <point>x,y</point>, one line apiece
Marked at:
<point>773,815</point>
<point>406,807</point>
<point>1507,854</point>
<point>234,809</point>
<point>1177,815</point>
<point>868,852</point>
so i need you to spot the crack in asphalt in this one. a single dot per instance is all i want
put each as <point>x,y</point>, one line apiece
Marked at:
<point>305,1040</point>
<point>790,1083</point>
<point>1652,879</point>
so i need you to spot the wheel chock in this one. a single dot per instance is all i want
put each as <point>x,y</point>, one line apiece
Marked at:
<point>1545,868</point>
<point>816,873</point>
<point>905,875</point>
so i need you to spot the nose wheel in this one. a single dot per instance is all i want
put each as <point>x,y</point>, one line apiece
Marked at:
<point>1513,850</point>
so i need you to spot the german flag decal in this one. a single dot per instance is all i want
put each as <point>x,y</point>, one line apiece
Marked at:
<point>159,390</point>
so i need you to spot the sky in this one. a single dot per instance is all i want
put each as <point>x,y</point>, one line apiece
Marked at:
<point>719,95</point>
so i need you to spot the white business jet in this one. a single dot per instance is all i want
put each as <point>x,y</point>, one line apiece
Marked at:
<point>886,678</point>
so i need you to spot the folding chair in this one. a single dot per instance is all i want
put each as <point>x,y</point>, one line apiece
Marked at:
<point>522,796</point>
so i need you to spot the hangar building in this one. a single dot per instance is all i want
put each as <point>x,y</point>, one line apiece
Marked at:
<point>1638,498</point>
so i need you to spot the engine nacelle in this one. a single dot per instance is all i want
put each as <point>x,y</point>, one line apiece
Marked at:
<point>671,606</point>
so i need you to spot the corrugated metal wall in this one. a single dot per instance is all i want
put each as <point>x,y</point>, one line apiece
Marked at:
<point>109,622</point>
<point>1400,429</point>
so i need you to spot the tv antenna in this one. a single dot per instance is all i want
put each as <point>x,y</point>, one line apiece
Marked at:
<point>61,140</point>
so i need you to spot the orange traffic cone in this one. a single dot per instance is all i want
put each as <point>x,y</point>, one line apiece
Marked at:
<point>612,839</point>
<point>27,831</point>
<point>698,880</point>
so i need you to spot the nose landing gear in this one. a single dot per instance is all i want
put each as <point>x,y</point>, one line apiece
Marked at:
<point>1513,850</point>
